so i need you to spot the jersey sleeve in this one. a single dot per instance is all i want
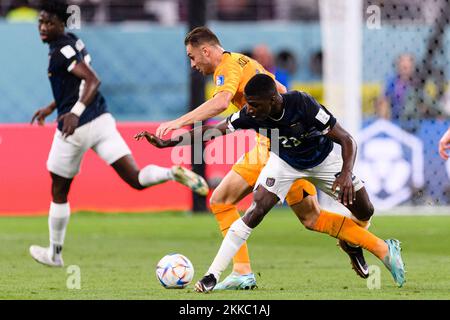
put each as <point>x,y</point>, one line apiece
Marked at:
<point>67,58</point>
<point>240,120</point>
<point>317,115</point>
<point>227,78</point>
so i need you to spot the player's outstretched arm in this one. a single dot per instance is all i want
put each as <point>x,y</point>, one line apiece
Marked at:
<point>91,84</point>
<point>444,145</point>
<point>205,111</point>
<point>202,134</point>
<point>43,113</point>
<point>344,180</point>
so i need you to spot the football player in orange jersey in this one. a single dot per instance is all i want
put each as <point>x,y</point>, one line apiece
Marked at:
<point>231,72</point>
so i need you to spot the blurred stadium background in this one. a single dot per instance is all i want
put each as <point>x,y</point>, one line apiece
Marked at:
<point>381,66</point>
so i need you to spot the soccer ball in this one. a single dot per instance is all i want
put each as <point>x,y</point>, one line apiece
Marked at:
<point>174,271</point>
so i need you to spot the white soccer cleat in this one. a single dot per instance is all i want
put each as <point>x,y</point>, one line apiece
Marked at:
<point>42,255</point>
<point>190,179</point>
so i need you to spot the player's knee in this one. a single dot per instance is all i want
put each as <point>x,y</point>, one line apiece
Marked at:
<point>259,212</point>
<point>307,211</point>
<point>370,210</point>
<point>218,197</point>
<point>59,194</point>
<point>364,213</point>
<point>256,215</point>
<point>309,219</point>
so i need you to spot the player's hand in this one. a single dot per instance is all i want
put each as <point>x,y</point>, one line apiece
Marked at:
<point>152,139</point>
<point>165,127</point>
<point>444,146</point>
<point>346,190</point>
<point>70,123</point>
<point>40,115</point>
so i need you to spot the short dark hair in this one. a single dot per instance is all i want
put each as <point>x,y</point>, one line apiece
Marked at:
<point>260,85</point>
<point>199,36</point>
<point>57,8</point>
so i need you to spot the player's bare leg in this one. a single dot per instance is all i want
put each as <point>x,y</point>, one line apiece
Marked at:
<point>58,219</point>
<point>362,211</point>
<point>348,231</point>
<point>232,189</point>
<point>150,175</point>
<point>308,212</point>
<point>263,201</point>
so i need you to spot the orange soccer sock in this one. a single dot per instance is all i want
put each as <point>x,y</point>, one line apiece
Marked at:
<point>346,229</point>
<point>225,215</point>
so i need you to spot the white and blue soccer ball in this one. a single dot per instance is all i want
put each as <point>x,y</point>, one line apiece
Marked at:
<point>174,271</point>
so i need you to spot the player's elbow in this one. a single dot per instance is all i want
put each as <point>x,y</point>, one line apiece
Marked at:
<point>351,142</point>
<point>96,83</point>
<point>222,106</point>
<point>93,82</point>
<point>347,141</point>
<point>222,101</point>
<point>281,88</point>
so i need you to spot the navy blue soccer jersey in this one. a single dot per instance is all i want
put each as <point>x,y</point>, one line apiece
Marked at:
<point>65,53</point>
<point>300,131</point>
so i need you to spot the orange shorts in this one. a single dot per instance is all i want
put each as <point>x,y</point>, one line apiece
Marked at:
<point>251,164</point>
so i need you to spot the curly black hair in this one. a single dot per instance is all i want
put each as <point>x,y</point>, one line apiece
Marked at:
<point>260,85</point>
<point>56,7</point>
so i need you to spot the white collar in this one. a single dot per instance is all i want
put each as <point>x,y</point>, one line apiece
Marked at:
<point>278,118</point>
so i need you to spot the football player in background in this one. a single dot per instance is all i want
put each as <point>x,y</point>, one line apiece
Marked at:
<point>84,123</point>
<point>302,133</point>
<point>231,73</point>
<point>444,145</point>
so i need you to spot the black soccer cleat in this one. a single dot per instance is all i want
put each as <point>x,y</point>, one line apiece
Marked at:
<point>357,259</point>
<point>206,284</point>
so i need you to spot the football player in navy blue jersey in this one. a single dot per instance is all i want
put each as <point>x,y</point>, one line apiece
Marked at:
<point>84,123</point>
<point>302,133</point>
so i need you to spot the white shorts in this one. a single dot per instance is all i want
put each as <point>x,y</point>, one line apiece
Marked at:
<point>277,176</point>
<point>100,135</point>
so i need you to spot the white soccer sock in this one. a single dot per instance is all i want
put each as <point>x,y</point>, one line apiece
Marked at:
<point>58,218</point>
<point>152,174</point>
<point>235,238</point>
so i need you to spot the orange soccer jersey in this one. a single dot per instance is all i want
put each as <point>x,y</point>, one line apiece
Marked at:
<point>232,74</point>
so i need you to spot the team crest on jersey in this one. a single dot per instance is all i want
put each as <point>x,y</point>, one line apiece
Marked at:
<point>270,182</point>
<point>220,80</point>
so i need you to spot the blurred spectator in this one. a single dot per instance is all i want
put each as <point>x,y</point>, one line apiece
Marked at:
<point>247,52</point>
<point>166,11</point>
<point>251,10</point>
<point>264,56</point>
<point>398,99</point>
<point>285,66</point>
<point>229,10</point>
<point>21,11</point>
<point>315,65</point>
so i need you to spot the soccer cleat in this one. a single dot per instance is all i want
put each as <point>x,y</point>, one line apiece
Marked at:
<point>190,179</point>
<point>236,281</point>
<point>41,255</point>
<point>356,258</point>
<point>206,284</point>
<point>394,262</point>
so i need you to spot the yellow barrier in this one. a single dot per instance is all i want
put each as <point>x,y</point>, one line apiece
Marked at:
<point>369,93</point>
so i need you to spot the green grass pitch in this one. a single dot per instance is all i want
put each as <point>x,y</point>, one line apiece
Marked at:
<point>117,255</point>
